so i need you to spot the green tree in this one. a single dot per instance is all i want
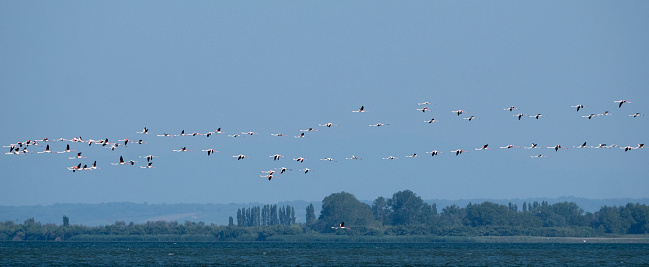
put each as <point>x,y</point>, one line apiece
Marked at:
<point>66,221</point>
<point>380,210</point>
<point>407,208</point>
<point>310,215</point>
<point>344,207</point>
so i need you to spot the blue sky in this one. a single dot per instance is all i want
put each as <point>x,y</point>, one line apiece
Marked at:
<point>107,69</point>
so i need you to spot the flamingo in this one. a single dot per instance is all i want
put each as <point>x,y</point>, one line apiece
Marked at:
<point>209,151</point>
<point>539,156</point>
<point>353,157</point>
<point>424,103</point>
<point>361,109</point>
<point>301,135</point>
<point>234,135</point>
<point>580,106</point>
<point>300,159</point>
<point>269,176</point>
<point>47,150</point>
<point>458,151</point>
<point>144,131</point>
<point>434,153</point>
<point>604,114</point>
<point>122,162</point>
<point>519,116</point>
<point>424,109</point>
<point>483,147</point>
<point>414,155</point>
<point>182,149</point>
<point>340,226</point>
<point>640,146</point>
<point>556,148</point>
<point>278,134</point>
<point>249,133</point>
<point>75,168</point>
<point>328,124</point>
<point>240,157</point>
<point>582,145</point>
<point>532,146</point>
<point>509,146</point>
<point>379,124</point>
<point>305,170</point>
<point>276,157</point>
<point>67,150</point>
<point>589,116</point>
<point>636,115</point>
<point>431,120</point>
<point>536,116</point>
<point>149,157</point>
<point>391,157</point>
<point>78,156</point>
<point>459,111</point>
<point>328,159</point>
<point>627,148</point>
<point>309,130</point>
<point>284,169</point>
<point>470,118</point>
<point>148,166</point>
<point>511,108</point>
<point>621,102</point>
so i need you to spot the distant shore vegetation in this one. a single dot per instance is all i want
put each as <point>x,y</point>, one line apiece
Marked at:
<point>404,217</point>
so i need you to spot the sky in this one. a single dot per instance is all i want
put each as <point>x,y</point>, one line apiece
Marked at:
<point>99,69</point>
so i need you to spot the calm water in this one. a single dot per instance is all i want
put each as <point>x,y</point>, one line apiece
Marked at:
<point>327,254</point>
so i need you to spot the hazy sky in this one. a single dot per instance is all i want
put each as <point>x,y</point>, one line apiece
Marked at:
<point>106,69</point>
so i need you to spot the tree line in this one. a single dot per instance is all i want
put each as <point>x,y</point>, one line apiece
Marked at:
<point>404,213</point>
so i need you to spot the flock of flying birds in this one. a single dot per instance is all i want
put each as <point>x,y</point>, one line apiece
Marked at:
<point>21,148</point>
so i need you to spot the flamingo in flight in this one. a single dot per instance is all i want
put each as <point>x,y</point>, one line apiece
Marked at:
<point>328,124</point>
<point>424,109</point>
<point>240,157</point>
<point>414,155</point>
<point>67,150</point>
<point>606,113</point>
<point>621,102</point>
<point>424,103</point>
<point>149,157</point>
<point>459,111</point>
<point>300,159</point>
<point>144,131</point>
<point>305,170</point>
<point>47,150</point>
<point>249,133</point>
<point>539,156</point>
<point>361,109</point>
<point>627,148</point>
<point>556,148</point>
<point>340,226</point>
<point>589,116</point>
<point>434,153</point>
<point>483,147</point>
<point>509,146</point>
<point>269,176</point>
<point>532,146</point>
<point>300,136</point>
<point>148,166</point>
<point>328,159</point>
<point>122,162</point>
<point>278,134</point>
<point>511,108</point>
<point>636,115</point>
<point>276,157</point>
<point>431,120</point>
<point>379,124</point>
<point>75,168</point>
<point>519,116</point>
<point>470,118</point>
<point>284,169</point>
<point>182,149</point>
<point>353,157</point>
<point>580,106</point>
<point>209,151</point>
<point>391,157</point>
<point>309,130</point>
<point>581,146</point>
<point>78,156</point>
<point>536,116</point>
<point>458,151</point>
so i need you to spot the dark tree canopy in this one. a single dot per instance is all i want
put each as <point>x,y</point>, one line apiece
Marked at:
<point>344,207</point>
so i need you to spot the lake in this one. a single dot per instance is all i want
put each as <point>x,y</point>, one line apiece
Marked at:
<point>322,254</point>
